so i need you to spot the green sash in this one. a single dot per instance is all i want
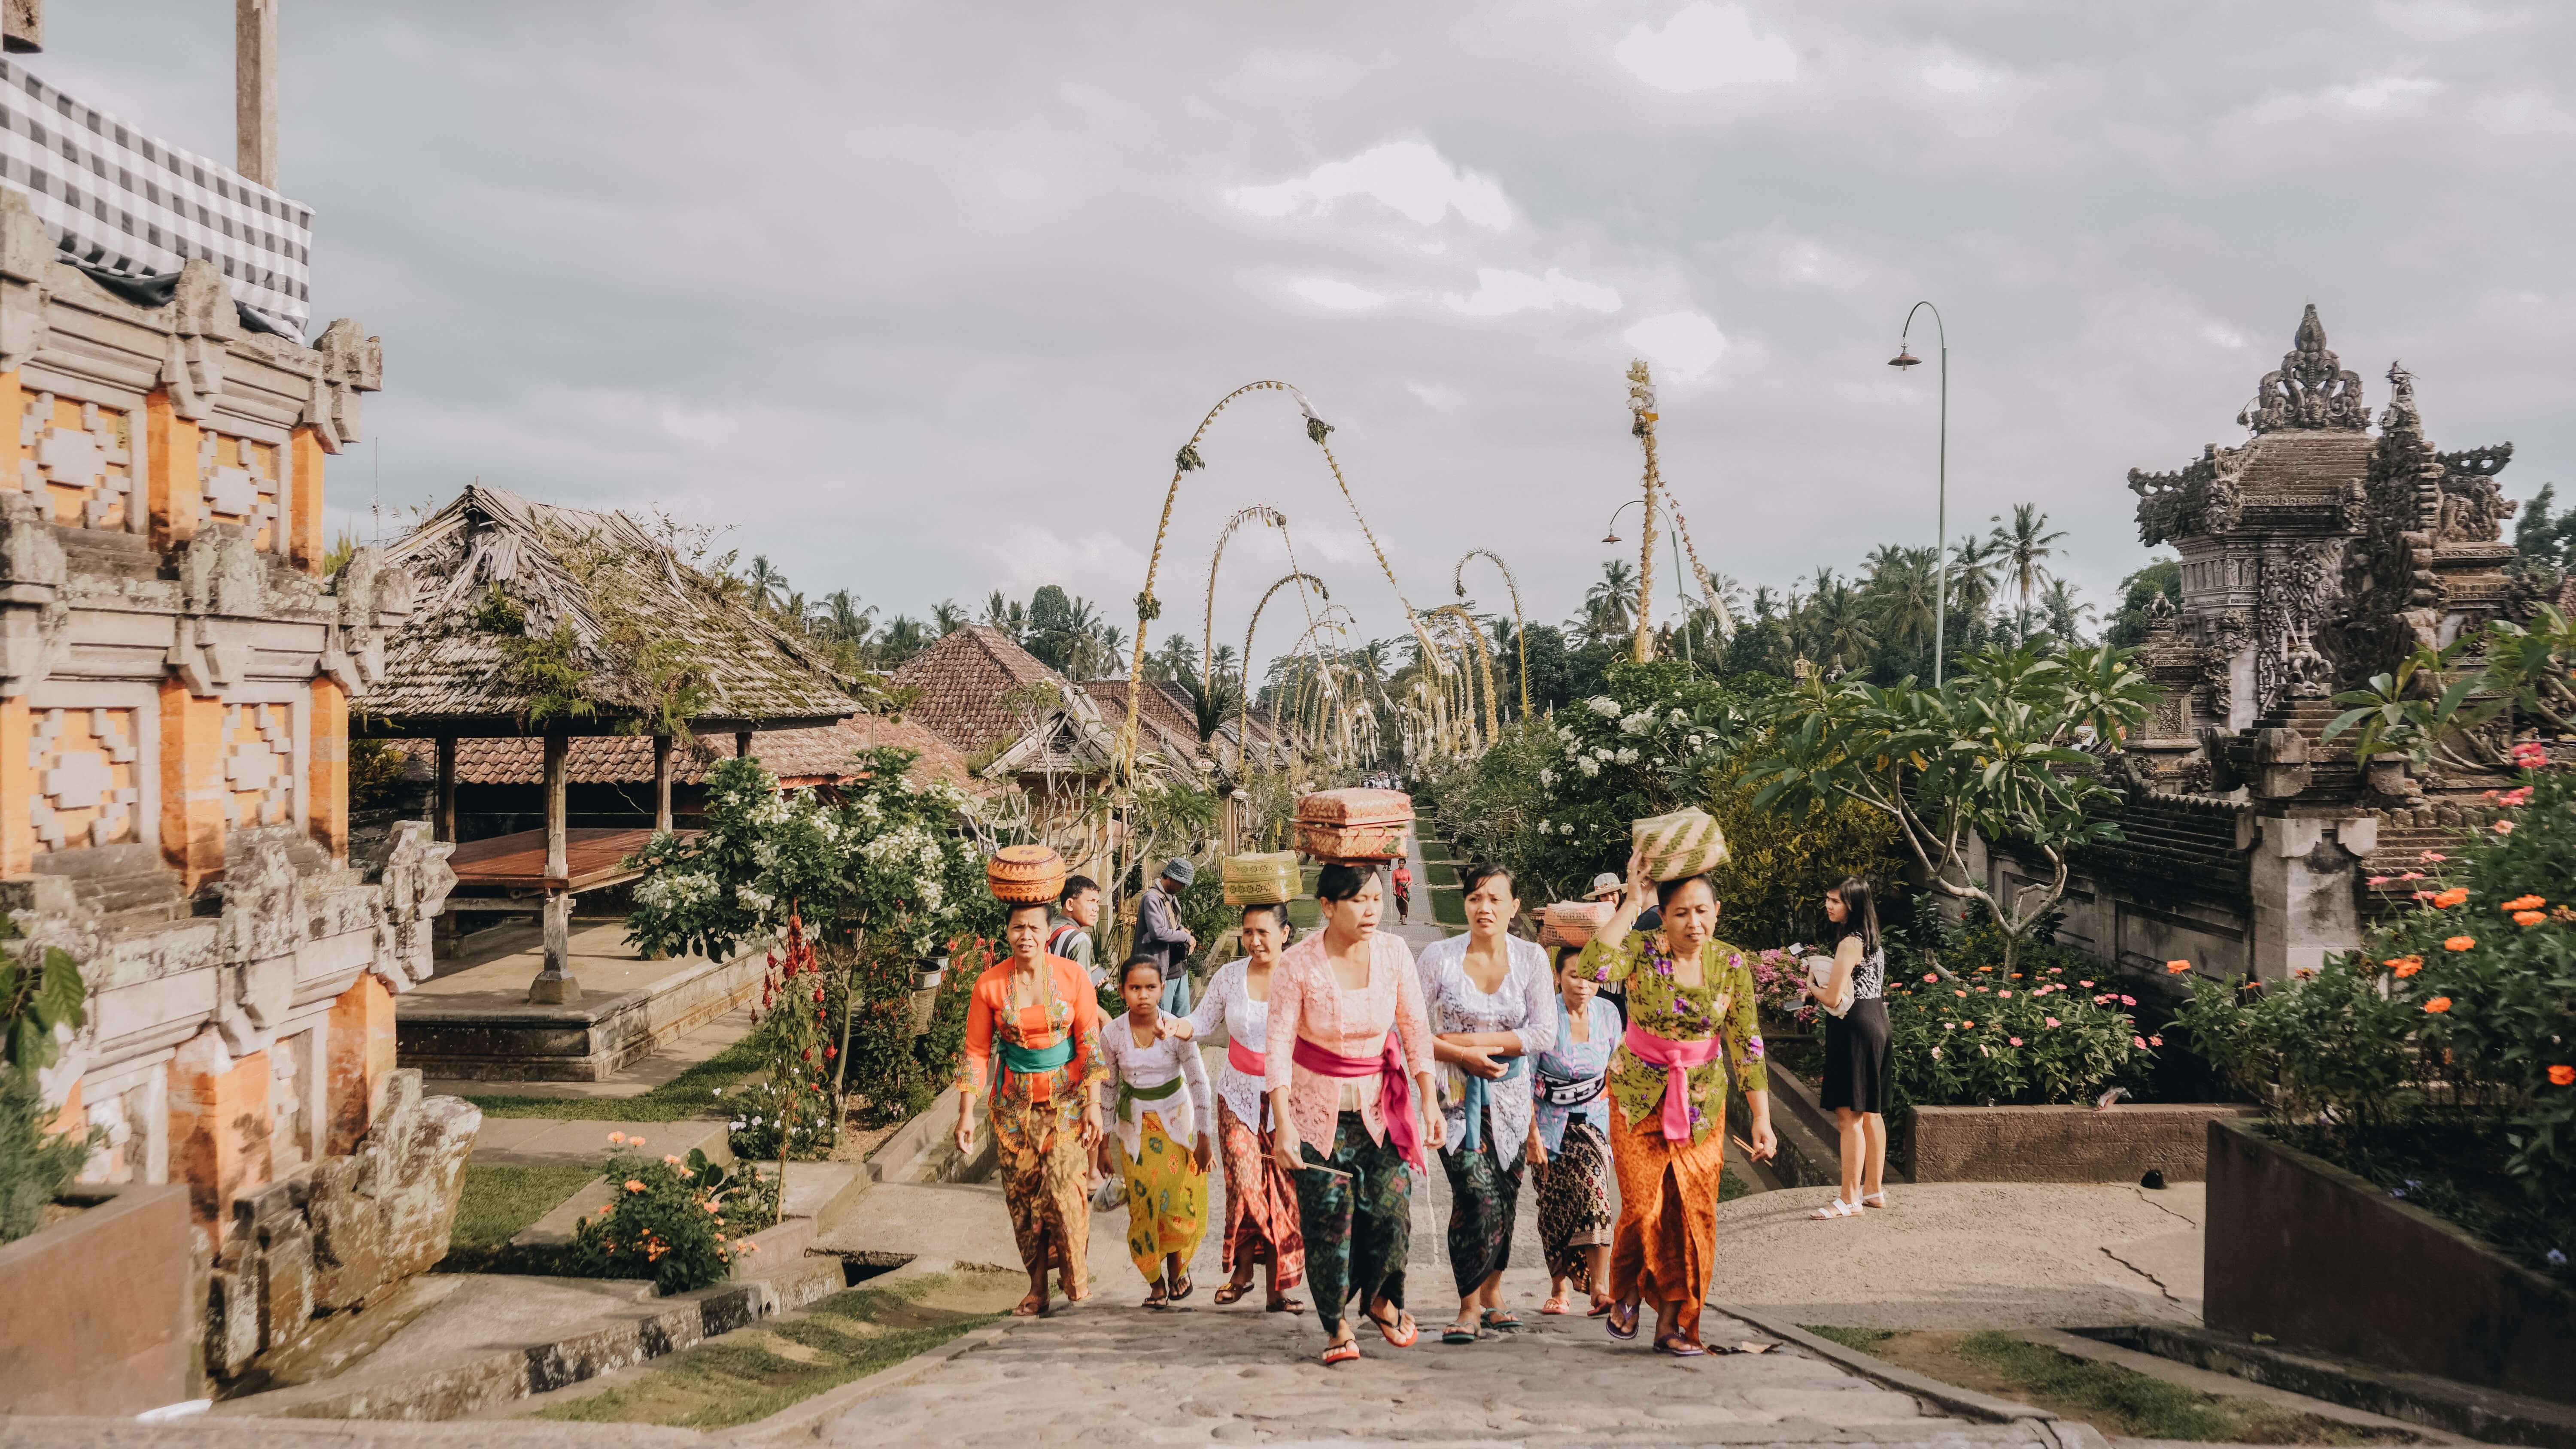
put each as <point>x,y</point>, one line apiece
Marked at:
<point>1027,1063</point>
<point>1130,1094</point>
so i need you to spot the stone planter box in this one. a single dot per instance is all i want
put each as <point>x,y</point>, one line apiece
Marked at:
<point>2062,1144</point>
<point>2317,1258</point>
<point>98,1318</point>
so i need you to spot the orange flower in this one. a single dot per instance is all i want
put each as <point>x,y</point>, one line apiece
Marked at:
<point>2451,897</point>
<point>2438,1005</point>
<point>2415,961</point>
<point>2504,827</point>
<point>2523,903</point>
<point>2176,968</point>
<point>2529,918</point>
<point>2562,1075</point>
<point>2459,943</point>
<point>634,1185</point>
<point>617,1137</point>
<point>2407,967</point>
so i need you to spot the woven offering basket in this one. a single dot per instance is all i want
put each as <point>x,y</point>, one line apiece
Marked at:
<point>1354,826</point>
<point>1025,875</point>
<point>1262,880</point>
<point>1684,843</point>
<point>1572,923</point>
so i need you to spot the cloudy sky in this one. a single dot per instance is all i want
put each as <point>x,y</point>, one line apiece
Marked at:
<point>921,299</point>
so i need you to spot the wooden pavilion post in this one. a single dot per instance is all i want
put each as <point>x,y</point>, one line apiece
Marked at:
<point>661,782</point>
<point>742,744</point>
<point>555,985</point>
<point>447,787</point>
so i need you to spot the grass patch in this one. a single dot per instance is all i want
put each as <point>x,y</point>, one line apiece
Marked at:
<point>755,1372</point>
<point>2115,1400</point>
<point>499,1203</point>
<point>688,1095</point>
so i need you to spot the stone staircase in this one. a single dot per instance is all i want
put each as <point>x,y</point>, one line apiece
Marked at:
<point>127,885</point>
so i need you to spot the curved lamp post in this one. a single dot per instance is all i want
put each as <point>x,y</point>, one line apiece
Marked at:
<point>1941,516</point>
<point>1663,506</point>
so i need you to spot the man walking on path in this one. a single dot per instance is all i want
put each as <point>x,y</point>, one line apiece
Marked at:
<point>1159,933</point>
<point>1077,917</point>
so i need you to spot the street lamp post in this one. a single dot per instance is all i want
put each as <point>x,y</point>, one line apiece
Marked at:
<point>1611,535</point>
<point>1941,515</point>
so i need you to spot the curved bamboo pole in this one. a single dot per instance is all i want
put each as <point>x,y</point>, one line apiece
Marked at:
<point>1257,513</point>
<point>1520,630</point>
<point>1243,720</point>
<point>1476,636</point>
<point>1641,401</point>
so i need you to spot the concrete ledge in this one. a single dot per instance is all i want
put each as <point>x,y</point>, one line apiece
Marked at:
<point>2441,1405</point>
<point>463,1038</point>
<point>2302,1251</point>
<point>98,1319</point>
<point>1962,1403</point>
<point>2063,1144</point>
<point>1810,1147</point>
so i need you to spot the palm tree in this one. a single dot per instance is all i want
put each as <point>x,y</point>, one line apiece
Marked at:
<point>843,620</point>
<point>1176,662</point>
<point>1610,605</point>
<point>1842,631</point>
<point>1112,642</point>
<point>2065,615</point>
<point>2021,547</point>
<point>763,582</point>
<point>1972,575</point>
<point>948,618</point>
<point>1766,601</point>
<point>1900,593</point>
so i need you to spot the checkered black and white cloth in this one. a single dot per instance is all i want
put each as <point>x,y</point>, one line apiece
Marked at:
<point>125,202</point>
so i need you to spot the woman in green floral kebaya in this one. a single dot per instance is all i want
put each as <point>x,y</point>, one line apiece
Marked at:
<point>1691,1031</point>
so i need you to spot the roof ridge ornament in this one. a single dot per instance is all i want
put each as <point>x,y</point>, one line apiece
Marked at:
<point>2311,391</point>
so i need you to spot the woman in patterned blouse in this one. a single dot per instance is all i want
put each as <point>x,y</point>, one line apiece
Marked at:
<point>1691,1031</point>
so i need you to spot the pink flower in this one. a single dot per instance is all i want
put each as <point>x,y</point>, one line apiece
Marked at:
<point>2139,1042</point>
<point>2006,994</point>
<point>1958,993</point>
<point>1931,975</point>
<point>2434,855</point>
<point>2052,1021</point>
<point>2504,827</point>
<point>2016,1041</point>
<point>2155,1041</point>
<point>2375,882</point>
<point>2515,797</point>
<point>1936,1054</point>
<point>2411,875</point>
<point>2128,1001</point>
<point>2086,984</point>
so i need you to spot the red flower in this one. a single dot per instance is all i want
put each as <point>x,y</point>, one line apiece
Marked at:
<point>2562,1075</point>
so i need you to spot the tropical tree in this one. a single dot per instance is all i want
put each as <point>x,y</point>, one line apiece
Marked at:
<point>947,617</point>
<point>2023,547</point>
<point>1992,752</point>
<point>1973,571</point>
<point>1610,605</point>
<point>2065,614</point>
<point>1900,595</point>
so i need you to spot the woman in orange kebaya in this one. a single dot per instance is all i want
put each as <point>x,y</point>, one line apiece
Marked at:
<point>1038,1016</point>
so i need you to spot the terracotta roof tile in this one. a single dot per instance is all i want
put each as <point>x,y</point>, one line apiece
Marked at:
<point>962,680</point>
<point>808,756</point>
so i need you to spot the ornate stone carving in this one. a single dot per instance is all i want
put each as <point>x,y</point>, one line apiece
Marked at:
<point>2203,497</point>
<point>2296,596</point>
<point>416,882</point>
<point>2311,390</point>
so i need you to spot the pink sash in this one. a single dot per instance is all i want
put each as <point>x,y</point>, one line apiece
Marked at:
<point>1395,1090</point>
<point>1244,1059</point>
<point>1676,1058</point>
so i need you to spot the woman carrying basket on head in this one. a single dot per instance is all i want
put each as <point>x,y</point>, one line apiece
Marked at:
<point>1033,1043</point>
<point>1691,1032</point>
<point>1260,1194</point>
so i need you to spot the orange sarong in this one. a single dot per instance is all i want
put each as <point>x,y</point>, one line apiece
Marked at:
<point>1666,1239</point>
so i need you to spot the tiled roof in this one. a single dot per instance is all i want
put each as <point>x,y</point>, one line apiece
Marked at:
<point>799,757</point>
<point>605,578</point>
<point>2295,463</point>
<point>1167,726</point>
<point>962,680</point>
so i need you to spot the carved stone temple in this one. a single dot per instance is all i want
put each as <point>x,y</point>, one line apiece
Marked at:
<point>176,676</point>
<point>2316,553</point>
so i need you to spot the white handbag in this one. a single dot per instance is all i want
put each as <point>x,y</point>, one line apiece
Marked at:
<point>1820,969</point>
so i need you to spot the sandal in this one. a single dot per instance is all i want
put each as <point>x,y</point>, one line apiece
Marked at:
<point>1031,1306</point>
<point>1403,1333</point>
<point>1556,1304</point>
<point>1621,1322</point>
<point>1503,1320</point>
<point>1282,1303</point>
<point>1156,1298</point>
<point>1188,1287</point>
<point>1346,1351</point>
<point>1600,1307</point>
<point>1873,1199</point>
<point>1229,1293</point>
<point>1679,1347</point>
<point>1835,1209</point>
<point>1460,1333</point>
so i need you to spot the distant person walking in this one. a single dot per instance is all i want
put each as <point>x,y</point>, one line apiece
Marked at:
<point>1854,1086</point>
<point>1159,933</point>
<point>1491,1009</point>
<point>1260,1195</point>
<point>1403,878</point>
<point>1163,1133</point>
<point>1077,917</point>
<point>1569,1141</point>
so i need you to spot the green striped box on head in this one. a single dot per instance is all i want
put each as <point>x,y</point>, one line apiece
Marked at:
<point>1682,844</point>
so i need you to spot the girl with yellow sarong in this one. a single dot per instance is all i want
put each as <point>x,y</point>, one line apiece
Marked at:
<point>1691,1031</point>
<point>1036,1013</point>
<point>1165,1130</point>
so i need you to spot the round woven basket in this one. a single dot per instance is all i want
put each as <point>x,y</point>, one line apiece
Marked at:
<point>1025,874</point>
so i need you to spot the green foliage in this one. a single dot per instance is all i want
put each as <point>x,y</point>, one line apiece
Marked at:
<point>1992,752</point>
<point>673,1221</point>
<point>375,773</point>
<point>2137,592</point>
<point>40,1003</point>
<point>2541,537</point>
<point>2043,1027</point>
<point>2454,1014</point>
<point>36,1165</point>
<point>2435,710</point>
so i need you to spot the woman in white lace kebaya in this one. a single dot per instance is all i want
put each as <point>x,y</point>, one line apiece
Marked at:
<point>1488,994</point>
<point>1260,1198</point>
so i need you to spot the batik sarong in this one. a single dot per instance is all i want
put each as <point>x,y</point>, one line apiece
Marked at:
<point>1358,1221</point>
<point>1574,1204</point>
<point>1166,1199</point>
<point>1260,1204</point>
<point>1483,1199</point>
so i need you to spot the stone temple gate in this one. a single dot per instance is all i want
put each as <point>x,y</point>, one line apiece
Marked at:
<point>2314,554</point>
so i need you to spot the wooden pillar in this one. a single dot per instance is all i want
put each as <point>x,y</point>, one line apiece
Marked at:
<point>447,787</point>
<point>661,782</point>
<point>255,89</point>
<point>555,985</point>
<point>742,744</point>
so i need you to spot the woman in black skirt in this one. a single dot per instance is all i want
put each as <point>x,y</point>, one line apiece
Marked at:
<point>1855,1084</point>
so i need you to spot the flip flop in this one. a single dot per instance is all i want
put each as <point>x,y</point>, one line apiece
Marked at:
<point>1503,1320</point>
<point>1285,1304</point>
<point>1456,1334</point>
<point>1611,1323</point>
<point>1157,1298</point>
<point>1559,1304</point>
<point>1347,1351</point>
<point>1599,1308</point>
<point>1679,1347</point>
<point>1412,1331</point>
<point>1188,1287</point>
<point>1228,1294</point>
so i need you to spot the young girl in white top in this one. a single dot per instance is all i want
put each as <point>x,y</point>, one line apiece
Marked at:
<point>1161,1125</point>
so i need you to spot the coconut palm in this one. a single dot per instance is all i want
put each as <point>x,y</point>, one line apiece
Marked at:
<point>763,582</point>
<point>2065,614</point>
<point>2022,546</point>
<point>1841,629</point>
<point>1610,605</point>
<point>842,620</point>
<point>1972,575</point>
<point>947,617</point>
<point>1900,594</point>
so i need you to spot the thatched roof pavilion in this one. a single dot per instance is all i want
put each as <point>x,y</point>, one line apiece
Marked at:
<point>539,620</point>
